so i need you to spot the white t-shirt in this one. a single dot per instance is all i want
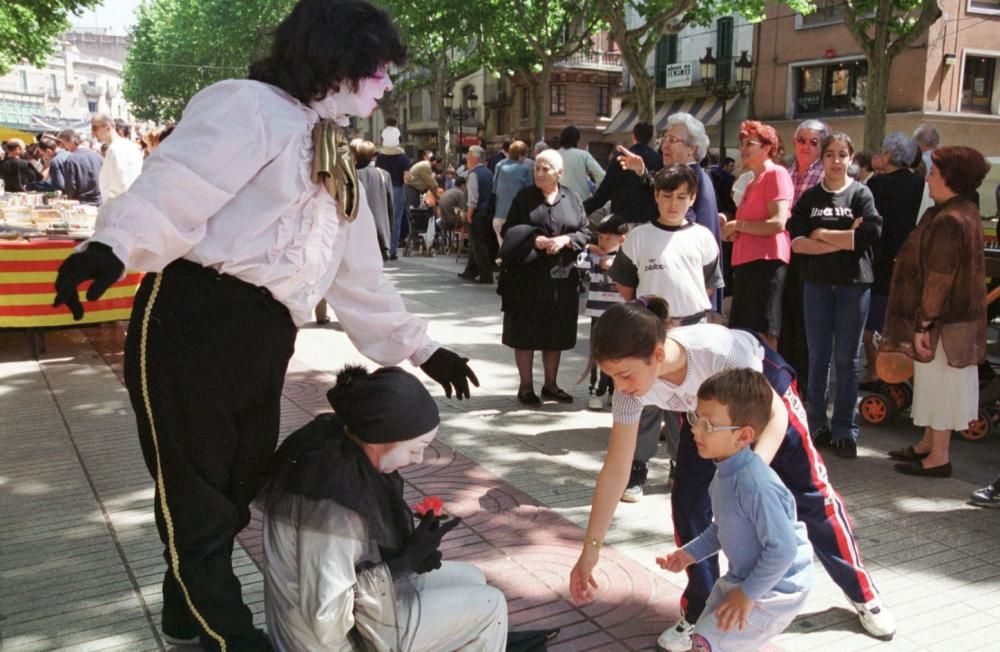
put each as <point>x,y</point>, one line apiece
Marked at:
<point>676,263</point>
<point>710,348</point>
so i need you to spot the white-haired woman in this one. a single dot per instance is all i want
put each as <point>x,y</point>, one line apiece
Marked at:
<point>545,230</point>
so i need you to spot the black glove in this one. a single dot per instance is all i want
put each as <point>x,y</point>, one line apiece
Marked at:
<point>420,552</point>
<point>96,262</point>
<point>450,369</point>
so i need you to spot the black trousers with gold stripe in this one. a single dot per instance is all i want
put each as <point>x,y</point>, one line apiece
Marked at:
<point>205,361</point>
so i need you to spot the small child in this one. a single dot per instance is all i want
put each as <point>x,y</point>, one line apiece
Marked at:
<point>755,525</point>
<point>602,293</point>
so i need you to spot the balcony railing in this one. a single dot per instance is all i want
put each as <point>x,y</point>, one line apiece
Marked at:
<point>611,60</point>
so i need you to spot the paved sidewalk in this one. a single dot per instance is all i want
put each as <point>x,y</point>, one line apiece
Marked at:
<point>80,563</point>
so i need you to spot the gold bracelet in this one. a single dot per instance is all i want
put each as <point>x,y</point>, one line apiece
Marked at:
<point>590,541</point>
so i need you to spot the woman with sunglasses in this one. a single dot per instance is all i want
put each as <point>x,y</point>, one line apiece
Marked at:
<point>761,248</point>
<point>654,366</point>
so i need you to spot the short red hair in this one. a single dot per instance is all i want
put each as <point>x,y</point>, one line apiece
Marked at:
<point>765,134</point>
<point>962,168</point>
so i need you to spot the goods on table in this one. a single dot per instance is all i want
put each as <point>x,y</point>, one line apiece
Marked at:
<point>29,214</point>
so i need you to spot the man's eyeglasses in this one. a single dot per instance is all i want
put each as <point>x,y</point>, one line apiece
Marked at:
<point>808,141</point>
<point>670,140</point>
<point>704,425</point>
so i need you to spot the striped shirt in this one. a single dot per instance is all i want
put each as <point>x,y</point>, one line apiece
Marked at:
<point>602,292</point>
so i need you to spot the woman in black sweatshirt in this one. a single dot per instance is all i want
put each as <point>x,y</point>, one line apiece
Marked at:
<point>836,225</point>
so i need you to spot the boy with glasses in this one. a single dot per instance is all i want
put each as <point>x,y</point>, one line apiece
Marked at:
<point>755,525</point>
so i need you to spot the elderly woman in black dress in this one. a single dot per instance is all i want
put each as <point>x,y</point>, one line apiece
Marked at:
<point>545,230</point>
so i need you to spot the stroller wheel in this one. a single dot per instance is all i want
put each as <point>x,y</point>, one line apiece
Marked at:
<point>877,409</point>
<point>899,395</point>
<point>979,428</point>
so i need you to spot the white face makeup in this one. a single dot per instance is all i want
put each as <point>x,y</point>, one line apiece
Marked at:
<point>404,453</point>
<point>361,102</point>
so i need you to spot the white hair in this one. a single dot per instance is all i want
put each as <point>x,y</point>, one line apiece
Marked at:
<point>552,157</point>
<point>818,126</point>
<point>926,135</point>
<point>696,136</point>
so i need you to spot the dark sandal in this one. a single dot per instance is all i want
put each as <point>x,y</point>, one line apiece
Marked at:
<point>557,395</point>
<point>907,454</point>
<point>915,468</point>
<point>528,397</point>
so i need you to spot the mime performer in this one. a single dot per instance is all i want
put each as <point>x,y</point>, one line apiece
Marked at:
<point>244,219</point>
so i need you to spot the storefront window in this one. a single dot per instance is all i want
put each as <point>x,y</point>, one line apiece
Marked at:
<point>832,88</point>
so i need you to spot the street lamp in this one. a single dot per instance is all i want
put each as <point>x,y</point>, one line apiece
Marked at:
<point>461,113</point>
<point>725,89</point>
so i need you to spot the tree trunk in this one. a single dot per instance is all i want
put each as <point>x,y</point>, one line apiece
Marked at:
<point>876,102</point>
<point>444,146</point>
<point>645,96</point>
<point>645,84</point>
<point>538,87</point>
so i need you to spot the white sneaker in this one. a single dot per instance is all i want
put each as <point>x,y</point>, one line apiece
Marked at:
<point>876,619</point>
<point>676,638</point>
<point>595,402</point>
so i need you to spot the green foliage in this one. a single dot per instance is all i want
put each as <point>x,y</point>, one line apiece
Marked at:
<point>29,28</point>
<point>180,46</point>
<point>434,36</point>
<point>706,11</point>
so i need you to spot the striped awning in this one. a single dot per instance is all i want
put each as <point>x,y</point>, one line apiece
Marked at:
<point>706,109</point>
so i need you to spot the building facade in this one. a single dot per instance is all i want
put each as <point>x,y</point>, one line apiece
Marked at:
<point>675,66</point>
<point>810,67</point>
<point>81,78</point>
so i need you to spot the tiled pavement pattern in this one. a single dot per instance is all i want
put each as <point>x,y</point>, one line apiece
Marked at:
<point>80,564</point>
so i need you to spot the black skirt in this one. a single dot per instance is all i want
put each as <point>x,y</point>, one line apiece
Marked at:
<point>548,323</point>
<point>757,298</point>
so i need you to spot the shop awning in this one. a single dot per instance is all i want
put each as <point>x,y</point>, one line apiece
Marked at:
<point>706,109</point>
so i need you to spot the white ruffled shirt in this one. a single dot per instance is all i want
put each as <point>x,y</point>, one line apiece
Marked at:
<point>231,190</point>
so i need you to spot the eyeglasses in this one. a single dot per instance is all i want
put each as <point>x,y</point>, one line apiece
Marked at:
<point>670,140</point>
<point>808,141</point>
<point>748,143</point>
<point>704,425</point>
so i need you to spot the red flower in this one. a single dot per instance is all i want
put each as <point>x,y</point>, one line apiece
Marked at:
<point>429,504</point>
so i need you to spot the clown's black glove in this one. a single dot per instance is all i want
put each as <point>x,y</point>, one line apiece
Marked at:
<point>451,370</point>
<point>97,263</point>
<point>420,552</point>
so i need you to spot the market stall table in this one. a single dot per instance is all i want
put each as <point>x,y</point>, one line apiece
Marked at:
<point>27,277</point>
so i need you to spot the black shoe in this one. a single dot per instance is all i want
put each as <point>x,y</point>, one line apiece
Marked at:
<point>823,438</point>
<point>845,448</point>
<point>528,397</point>
<point>636,482</point>
<point>485,281</point>
<point>907,454</point>
<point>916,468</point>
<point>466,277</point>
<point>556,395</point>
<point>394,257</point>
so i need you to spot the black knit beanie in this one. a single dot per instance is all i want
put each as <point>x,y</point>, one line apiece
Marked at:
<point>384,406</point>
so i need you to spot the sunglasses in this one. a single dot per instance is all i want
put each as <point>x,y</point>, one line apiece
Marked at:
<point>807,141</point>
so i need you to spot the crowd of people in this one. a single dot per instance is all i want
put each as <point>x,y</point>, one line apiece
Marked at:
<point>287,215</point>
<point>88,168</point>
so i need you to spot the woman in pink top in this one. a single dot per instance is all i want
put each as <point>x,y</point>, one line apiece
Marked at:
<point>761,247</point>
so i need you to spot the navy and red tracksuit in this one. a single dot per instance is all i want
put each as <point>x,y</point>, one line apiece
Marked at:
<point>801,468</point>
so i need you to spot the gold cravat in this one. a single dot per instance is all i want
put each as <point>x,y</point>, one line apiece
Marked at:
<point>333,166</point>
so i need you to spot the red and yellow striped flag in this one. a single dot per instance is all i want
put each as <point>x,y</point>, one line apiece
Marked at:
<point>27,288</point>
